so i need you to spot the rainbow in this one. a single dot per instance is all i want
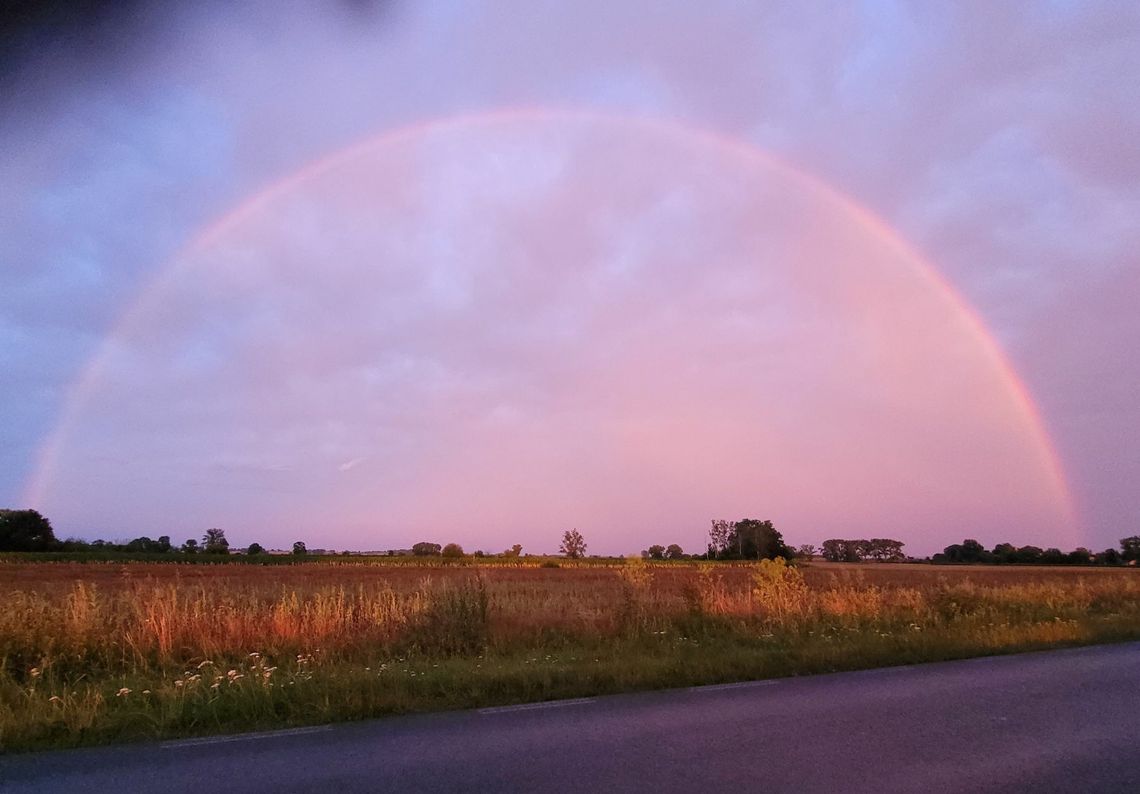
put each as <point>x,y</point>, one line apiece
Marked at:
<point>82,388</point>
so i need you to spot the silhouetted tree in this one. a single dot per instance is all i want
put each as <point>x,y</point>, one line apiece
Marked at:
<point>752,539</point>
<point>1130,548</point>
<point>426,549</point>
<point>1029,555</point>
<point>1004,553</point>
<point>255,549</point>
<point>189,547</point>
<point>886,549</point>
<point>839,550</point>
<point>25,530</point>
<point>967,551</point>
<point>214,542</point>
<point>718,537</point>
<point>806,551</point>
<point>513,551</point>
<point>573,544</point>
<point>452,550</point>
<point>674,552</point>
<point>656,552</point>
<point>1079,556</point>
<point>300,549</point>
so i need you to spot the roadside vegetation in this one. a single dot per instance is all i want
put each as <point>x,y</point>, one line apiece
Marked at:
<point>103,652</point>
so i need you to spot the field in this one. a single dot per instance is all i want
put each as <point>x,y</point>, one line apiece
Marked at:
<point>102,652</point>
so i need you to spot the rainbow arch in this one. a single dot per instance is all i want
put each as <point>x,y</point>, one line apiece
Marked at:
<point>82,388</point>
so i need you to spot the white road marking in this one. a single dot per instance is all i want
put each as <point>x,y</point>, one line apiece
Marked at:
<point>552,704</point>
<point>741,685</point>
<point>244,737</point>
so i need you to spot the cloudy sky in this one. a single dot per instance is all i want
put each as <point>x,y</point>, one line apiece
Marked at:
<point>487,271</point>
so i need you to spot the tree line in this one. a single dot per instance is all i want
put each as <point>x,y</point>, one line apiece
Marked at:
<point>877,549</point>
<point>28,530</point>
<point>746,539</point>
<point>971,551</point>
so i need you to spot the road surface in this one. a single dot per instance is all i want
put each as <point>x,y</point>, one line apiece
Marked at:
<point>1055,721</point>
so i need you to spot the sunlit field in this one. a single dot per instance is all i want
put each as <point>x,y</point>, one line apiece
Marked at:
<point>100,652</point>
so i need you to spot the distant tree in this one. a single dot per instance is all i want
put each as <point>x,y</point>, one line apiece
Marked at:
<point>718,537</point>
<point>452,550</point>
<point>513,551</point>
<point>1004,553</point>
<point>807,551</point>
<point>967,551</point>
<point>839,550</point>
<point>300,549</point>
<point>189,547</point>
<point>479,553</point>
<point>426,549</point>
<point>1079,556</point>
<point>1052,556</point>
<point>674,552</point>
<point>1130,548</point>
<point>573,544</point>
<point>214,542</point>
<point>1109,557</point>
<point>656,552</point>
<point>886,550</point>
<point>1028,555</point>
<point>25,530</point>
<point>752,539</point>
<point>255,549</point>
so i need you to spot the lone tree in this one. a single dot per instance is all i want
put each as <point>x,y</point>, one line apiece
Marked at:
<point>425,549</point>
<point>214,542</point>
<point>674,552</point>
<point>759,540</point>
<point>747,539</point>
<point>25,530</point>
<point>299,548</point>
<point>656,552</point>
<point>573,544</point>
<point>255,549</point>
<point>452,550</point>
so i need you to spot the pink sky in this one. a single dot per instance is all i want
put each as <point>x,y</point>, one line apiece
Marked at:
<point>490,335</point>
<point>488,331</point>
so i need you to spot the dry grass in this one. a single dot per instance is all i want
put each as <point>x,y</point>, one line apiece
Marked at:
<point>95,652</point>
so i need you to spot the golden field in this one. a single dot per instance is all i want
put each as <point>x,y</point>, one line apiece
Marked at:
<point>94,652</point>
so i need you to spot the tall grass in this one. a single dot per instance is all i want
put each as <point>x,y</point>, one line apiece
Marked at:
<point>92,654</point>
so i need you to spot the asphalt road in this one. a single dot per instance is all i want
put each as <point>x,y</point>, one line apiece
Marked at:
<point>1055,721</point>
